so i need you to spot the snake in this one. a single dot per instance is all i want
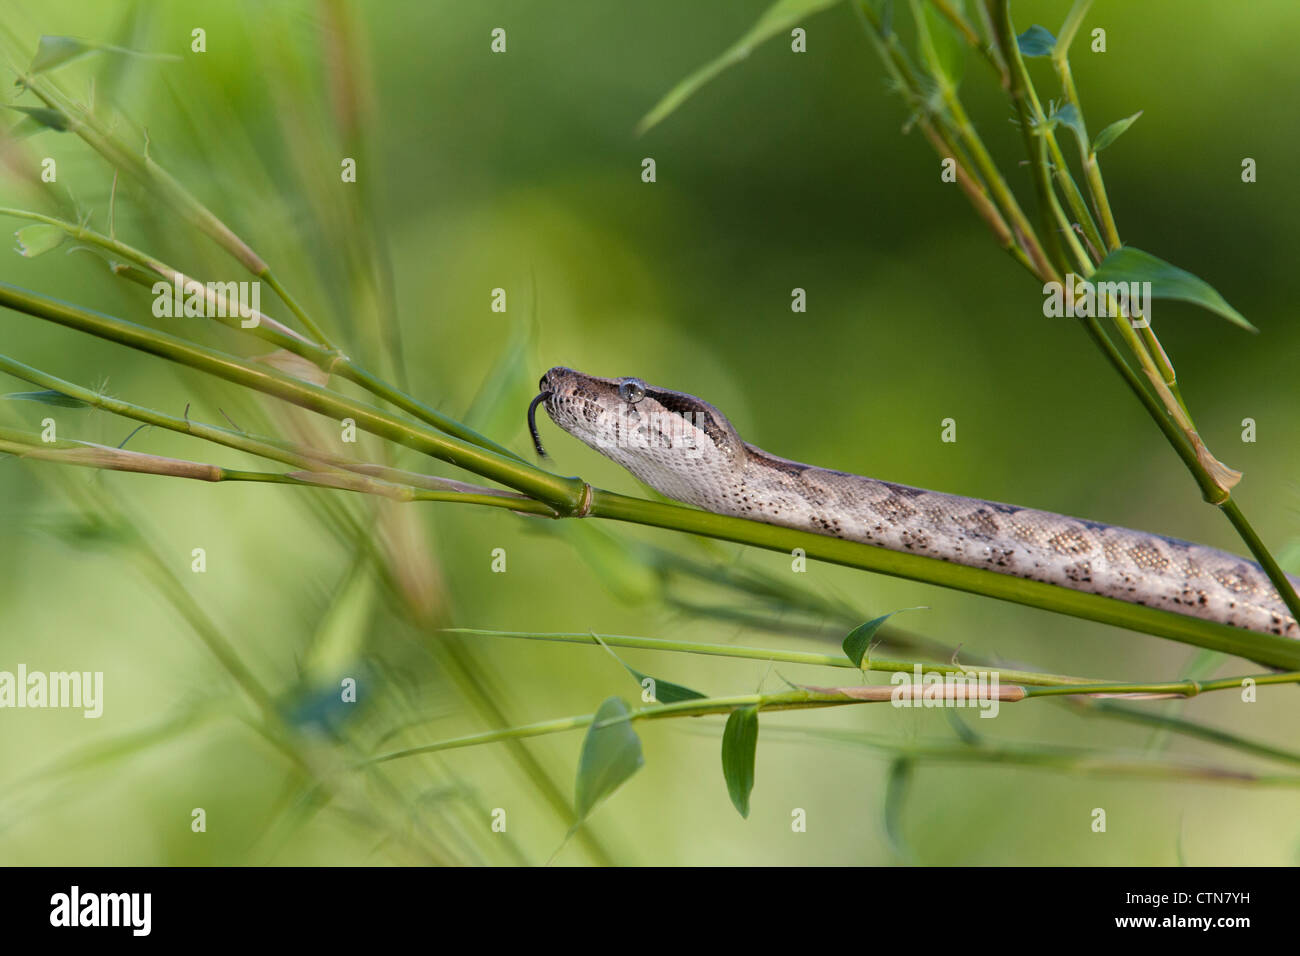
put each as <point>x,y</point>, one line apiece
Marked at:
<point>687,450</point>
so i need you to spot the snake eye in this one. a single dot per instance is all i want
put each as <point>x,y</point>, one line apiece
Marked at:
<point>631,390</point>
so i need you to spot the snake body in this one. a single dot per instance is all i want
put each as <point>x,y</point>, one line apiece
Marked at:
<point>686,449</point>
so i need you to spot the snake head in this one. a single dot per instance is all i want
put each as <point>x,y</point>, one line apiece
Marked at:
<point>670,440</point>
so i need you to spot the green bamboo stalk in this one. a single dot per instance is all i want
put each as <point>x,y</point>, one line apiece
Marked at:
<point>315,467</point>
<point>563,494</point>
<point>1268,649</point>
<point>804,698</point>
<point>574,497</point>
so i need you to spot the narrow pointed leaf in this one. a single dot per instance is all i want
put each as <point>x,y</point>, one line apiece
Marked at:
<point>665,691</point>
<point>610,755</point>
<point>739,746</point>
<point>1127,264</point>
<point>900,775</point>
<point>47,398</point>
<point>43,116</point>
<point>779,17</point>
<point>1113,132</point>
<point>859,639</point>
<point>55,51</point>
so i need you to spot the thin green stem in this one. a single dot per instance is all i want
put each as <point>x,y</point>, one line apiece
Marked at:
<point>1189,728</point>
<point>871,663</point>
<point>1075,760</point>
<point>1266,560</point>
<point>329,360</point>
<point>1030,114</point>
<point>983,160</point>
<point>1179,688</point>
<point>787,700</point>
<point>565,495</point>
<point>1018,236</point>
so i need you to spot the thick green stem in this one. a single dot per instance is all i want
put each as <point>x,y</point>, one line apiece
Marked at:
<point>572,496</point>
<point>1268,649</point>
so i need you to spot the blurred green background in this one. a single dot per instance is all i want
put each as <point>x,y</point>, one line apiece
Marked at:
<point>522,171</point>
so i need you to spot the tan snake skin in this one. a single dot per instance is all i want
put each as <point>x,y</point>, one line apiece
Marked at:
<point>686,449</point>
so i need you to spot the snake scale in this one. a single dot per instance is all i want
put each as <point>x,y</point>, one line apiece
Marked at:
<point>686,449</point>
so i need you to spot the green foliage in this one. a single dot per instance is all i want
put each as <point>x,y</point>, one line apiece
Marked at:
<point>611,754</point>
<point>56,51</point>
<point>38,239</point>
<point>313,619</point>
<point>778,18</point>
<point>858,640</point>
<point>38,118</point>
<point>1068,116</point>
<point>1167,282</point>
<point>47,397</point>
<point>1036,41</point>
<point>739,748</point>
<point>666,692</point>
<point>1113,132</point>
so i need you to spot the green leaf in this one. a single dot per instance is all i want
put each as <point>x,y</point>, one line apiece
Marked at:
<point>739,745</point>
<point>39,239</point>
<point>948,44</point>
<point>1113,132</point>
<point>1127,264</point>
<point>610,755</point>
<point>666,692</point>
<point>776,19</point>
<point>1036,41</point>
<point>47,398</point>
<point>859,639</point>
<point>1069,117</point>
<point>54,51</point>
<point>42,116</point>
<point>896,787</point>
